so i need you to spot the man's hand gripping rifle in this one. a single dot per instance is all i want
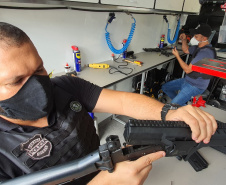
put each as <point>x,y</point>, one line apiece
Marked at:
<point>145,137</point>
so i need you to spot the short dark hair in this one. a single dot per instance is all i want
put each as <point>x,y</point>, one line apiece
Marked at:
<point>12,36</point>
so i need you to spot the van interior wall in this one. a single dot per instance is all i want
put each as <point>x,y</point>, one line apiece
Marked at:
<point>54,32</point>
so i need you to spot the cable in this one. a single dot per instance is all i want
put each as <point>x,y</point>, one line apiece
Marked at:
<point>169,30</point>
<point>176,34</point>
<point>108,39</point>
<point>119,71</point>
<point>120,67</point>
<point>115,60</point>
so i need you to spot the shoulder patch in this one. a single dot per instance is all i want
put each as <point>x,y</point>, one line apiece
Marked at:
<point>75,106</point>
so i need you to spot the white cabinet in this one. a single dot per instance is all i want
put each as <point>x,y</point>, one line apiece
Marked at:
<point>192,6</point>
<point>173,5</point>
<point>133,3</point>
<point>85,1</point>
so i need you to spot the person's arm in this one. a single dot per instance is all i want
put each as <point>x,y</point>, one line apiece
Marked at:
<point>185,46</point>
<point>187,68</point>
<point>128,172</point>
<point>128,104</point>
<point>137,106</point>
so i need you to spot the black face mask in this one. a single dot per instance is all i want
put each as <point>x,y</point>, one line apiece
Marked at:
<point>32,102</point>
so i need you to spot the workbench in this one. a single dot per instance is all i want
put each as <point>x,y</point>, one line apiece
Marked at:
<point>102,78</point>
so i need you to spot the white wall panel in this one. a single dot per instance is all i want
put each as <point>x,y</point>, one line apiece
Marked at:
<point>134,3</point>
<point>85,1</point>
<point>54,31</point>
<point>192,6</point>
<point>174,5</point>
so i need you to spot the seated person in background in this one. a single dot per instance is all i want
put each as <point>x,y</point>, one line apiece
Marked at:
<point>194,83</point>
<point>34,107</point>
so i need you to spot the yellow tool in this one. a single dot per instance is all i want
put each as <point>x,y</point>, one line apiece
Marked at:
<point>51,74</point>
<point>99,66</point>
<point>139,63</point>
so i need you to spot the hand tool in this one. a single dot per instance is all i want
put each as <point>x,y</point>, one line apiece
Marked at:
<point>98,66</point>
<point>139,63</point>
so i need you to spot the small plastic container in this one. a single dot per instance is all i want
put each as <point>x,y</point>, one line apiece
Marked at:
<point>112,56</point>
<point>67,68</point>
<point>91,114</point>
<point>95,121</point>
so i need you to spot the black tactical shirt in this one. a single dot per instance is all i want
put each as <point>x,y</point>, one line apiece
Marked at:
<point>84,92</point>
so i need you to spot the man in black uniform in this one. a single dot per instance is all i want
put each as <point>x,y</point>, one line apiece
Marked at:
<point>45,122</point>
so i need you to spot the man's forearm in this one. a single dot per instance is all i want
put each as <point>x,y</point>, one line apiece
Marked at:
<point>129,104</point>
<point>185,46</point>
<point>142,107</point>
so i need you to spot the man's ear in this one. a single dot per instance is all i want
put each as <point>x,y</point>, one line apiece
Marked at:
<point>204,38</point>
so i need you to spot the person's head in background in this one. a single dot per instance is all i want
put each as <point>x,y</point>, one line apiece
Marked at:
<point>201,34</point>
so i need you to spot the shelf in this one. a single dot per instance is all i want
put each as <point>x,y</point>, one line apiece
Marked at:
<point>89,5</point>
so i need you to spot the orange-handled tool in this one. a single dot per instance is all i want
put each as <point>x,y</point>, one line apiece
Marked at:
<point>133,62</point>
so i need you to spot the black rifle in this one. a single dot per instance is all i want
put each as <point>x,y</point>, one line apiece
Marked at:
<point>174,138</point>
<point>163,51</point>
<point>146,137</point>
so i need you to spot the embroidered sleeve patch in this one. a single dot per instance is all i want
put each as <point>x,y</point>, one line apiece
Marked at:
<point>75,106</point>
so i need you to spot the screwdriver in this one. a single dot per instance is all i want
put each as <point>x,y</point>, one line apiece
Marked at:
<point>139,63</point>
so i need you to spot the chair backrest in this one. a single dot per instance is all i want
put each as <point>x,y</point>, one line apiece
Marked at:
<point>211,36</point>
